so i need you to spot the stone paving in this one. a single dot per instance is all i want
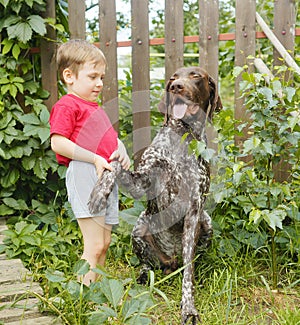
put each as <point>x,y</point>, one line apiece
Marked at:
<point>18,304</point>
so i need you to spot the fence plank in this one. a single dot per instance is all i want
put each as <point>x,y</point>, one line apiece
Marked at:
<point>284,26</point>
<point>174,45</point>
<point>209,36</point>
<point>244,46</point>
<point>48,59</point>
<point>284,29</point>
<point>77,18</point>
<point>140,77</point>
<point>108,44</point>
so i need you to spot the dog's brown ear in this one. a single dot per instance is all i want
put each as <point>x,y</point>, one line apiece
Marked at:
<point>214,98</point>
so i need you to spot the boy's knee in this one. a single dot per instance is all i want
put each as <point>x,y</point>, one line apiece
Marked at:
<point>107,244</point>
<point>102,248</point>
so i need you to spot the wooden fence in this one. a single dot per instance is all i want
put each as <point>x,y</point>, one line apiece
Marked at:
<point>249,27</point>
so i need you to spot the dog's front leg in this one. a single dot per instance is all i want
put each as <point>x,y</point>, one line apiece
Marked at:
<point>189,241</point>
<point>150,178</point>
<point>135,183</point>
<point>103,188</point>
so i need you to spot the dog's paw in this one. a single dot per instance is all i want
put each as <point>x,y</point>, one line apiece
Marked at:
<point>190,317</point>
<point>98,197</point>
<point>144,275</point>
<point>189,314</point>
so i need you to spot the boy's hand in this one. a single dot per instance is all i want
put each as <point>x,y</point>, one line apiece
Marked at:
<point>121,155</point>
<point>101,164</point>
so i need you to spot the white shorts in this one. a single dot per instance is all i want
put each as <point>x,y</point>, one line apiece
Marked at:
<point>81,178</point>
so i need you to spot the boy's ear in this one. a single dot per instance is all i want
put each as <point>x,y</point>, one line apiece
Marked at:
<point>68,76</point>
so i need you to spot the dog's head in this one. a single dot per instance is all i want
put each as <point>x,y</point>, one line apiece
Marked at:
<point>190,92</point>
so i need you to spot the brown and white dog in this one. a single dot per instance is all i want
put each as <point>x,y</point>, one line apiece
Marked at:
<point>175,183</point>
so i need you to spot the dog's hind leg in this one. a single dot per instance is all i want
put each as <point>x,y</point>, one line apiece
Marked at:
<point>142,248</point>
<point>146,250</point>
<point>206,231</point>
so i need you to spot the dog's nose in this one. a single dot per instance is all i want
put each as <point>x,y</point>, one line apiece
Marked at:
<point>177,86</point>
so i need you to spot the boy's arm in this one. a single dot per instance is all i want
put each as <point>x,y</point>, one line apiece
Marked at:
<point>67,148</point>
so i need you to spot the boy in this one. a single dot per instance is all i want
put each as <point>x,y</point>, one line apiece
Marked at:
<point>84,140</point>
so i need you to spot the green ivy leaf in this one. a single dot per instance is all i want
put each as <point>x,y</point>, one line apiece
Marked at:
<point>37,23</point>
<point>268,147</point>
<point>10,178</point>
<point>102,315</point>
<point>15,204</point>
<point>13,90</point>
<point>29,3</point>
<point>276,84</point>
<point>237,71</point>
<point>266,92</point>
<point>293,121</point>
<point>44,116</point>
<point>74,289</point>
<point>95,294</point>
<point>30,118</point>
<point>11,20</point>
<point>82,267</point>
<point>7,45</point>
<point>22,31</point>
<point>28,162</point>
<point>5,89</point>
<point>208,154</point>
<point>16,51</point>
<point>31,240</point>
<point>54,276</point>
<point>255,216</point>
<point>113,290</point>
<point>24,228</point>
<point>32,87</point>
<point>4,3</point>
<point>5,210</point>
<point>16,152</point>
<point>130,308</point>
<point>41,131</point>
<point>274,218</point>
<point>4,81</point>
<point>251,144</point>
<point>290,92</point>
<point>2,152</point>
<point>38,169</point>
<point>5,120</point>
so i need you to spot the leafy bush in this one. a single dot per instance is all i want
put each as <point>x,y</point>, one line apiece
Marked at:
<point>254,208</point>
<point>28,168</point>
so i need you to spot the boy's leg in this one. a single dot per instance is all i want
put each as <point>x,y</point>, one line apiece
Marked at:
<point>96,240</point>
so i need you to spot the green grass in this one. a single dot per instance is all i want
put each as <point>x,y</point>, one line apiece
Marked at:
<point>227,291</point>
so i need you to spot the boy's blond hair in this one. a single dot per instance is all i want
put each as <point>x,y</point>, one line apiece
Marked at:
<point>74,53</point>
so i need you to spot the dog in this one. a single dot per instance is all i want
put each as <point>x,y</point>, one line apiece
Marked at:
<point>175,183</point>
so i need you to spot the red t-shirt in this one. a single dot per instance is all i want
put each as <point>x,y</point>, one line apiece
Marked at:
<point>84,123</point>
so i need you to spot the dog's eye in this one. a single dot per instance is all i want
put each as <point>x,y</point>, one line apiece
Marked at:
<point>196,76</point>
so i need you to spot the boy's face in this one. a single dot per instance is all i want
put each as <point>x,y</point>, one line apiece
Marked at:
<point>89,82</point>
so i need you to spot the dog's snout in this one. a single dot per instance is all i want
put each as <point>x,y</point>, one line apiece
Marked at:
<point>177,86</point>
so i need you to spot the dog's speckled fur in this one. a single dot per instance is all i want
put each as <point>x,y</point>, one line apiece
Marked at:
<point>175,183</point>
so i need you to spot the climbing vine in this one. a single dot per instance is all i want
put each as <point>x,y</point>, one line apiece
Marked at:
<point>28,171</point>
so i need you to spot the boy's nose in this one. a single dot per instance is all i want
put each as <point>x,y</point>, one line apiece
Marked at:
<point>99,82</point>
